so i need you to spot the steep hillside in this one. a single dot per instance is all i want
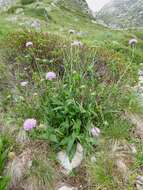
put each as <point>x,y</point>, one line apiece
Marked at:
<point>70,100</point>
<point>5,3</point>
<point>122,14</point>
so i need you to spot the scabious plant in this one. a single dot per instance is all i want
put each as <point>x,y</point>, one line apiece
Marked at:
<point>85,96</point>
<point>29,124</point>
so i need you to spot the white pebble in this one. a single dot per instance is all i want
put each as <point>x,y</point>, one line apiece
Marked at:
<point>67,188</point>
<point>29,44</point>
<point>24,83</point>
<point>74,163</point>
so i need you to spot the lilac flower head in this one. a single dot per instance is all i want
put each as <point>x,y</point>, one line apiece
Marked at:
<point>95,132</point>
<point>29,124</point>
<point>133,42</point>
<point>50,76</point>
<point>77,43</point>
<point>29,44</point>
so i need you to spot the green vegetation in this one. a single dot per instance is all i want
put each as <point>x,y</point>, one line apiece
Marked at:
<point>25,2</point>
<point>91,89</point>
<point>4,149</point>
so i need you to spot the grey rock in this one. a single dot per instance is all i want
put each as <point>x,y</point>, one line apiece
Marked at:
<point>139,183</point>
<point>67,188</point>
<point>74,163</point>
<point>36,25</point>
<point>5,3</point>
<point>19,11</point>
<point>140,73</point>
<point>22,137</point>
<point>122,14</point>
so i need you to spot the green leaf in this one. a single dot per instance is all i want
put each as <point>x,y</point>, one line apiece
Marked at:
<point>64,141</point>
<point>49,137</point>
<point>53,138</point>
<point>71,141</point>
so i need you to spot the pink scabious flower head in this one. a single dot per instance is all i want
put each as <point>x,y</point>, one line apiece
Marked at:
<point>95,132</point>
<point>29,44</point>
<point>77,43</point>
<point>29,124</point>
<point>133,42</point>
<point>50,76</point>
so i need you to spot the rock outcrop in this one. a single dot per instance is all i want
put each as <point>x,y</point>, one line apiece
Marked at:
<point>5,3</point>
<point>122,14</point>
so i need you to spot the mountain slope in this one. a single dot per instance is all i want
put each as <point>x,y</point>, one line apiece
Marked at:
<point>69,92</point>
<point>122,14</point>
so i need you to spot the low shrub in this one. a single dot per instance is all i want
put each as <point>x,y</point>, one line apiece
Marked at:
<point>26,2</point>
<point>40,13</point>
<point>12,9</point>
<point>88,90</point>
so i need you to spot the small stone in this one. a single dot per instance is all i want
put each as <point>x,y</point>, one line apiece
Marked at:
<point>78,157</point>
<point>29,44</point>
<point>140,83</point>
<point>19,11</point>
<point>93,159</point>
<point>140,180</point>
<point>94,21</point>
<point>35,94</point>
<point>133,149</point>
<point>67,188</point>
<point>139,183</point>
<point>81,33</point>
<point>19,167</point>
<point>36,25</point>
<point>140,78</point>
<point>24,83</point>
<point>139,187</point>
<point>122,167</point>
<point>11,155</point>
<point>74,163</point>
<point>140,73</point>
<point>65,162</point>
<point>12,18</point>
<point>22,137</point>
<point>139,89</point>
